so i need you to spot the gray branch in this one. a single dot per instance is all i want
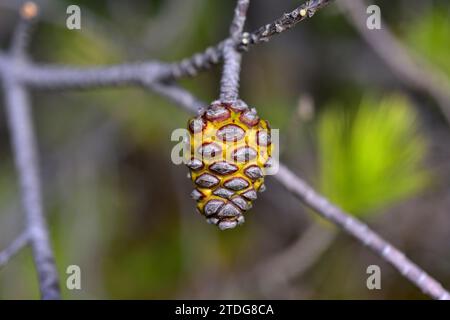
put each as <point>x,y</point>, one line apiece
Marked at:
<point>213,55</point>
<point>21,38</point>
<point>61,77</point>
<point>26,160</point>
<point>362,233</point>
<point>52,76</point>
<point>229,84</point>
<point>178,95</point>
<point>24,147</point>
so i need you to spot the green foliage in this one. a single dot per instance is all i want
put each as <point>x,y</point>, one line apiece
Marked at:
<point>371,157</point>
<point>429,35</point>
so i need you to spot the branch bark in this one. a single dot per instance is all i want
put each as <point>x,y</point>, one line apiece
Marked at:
<point>229,84</point>
<point>26,160</point>
<point>24,147</point>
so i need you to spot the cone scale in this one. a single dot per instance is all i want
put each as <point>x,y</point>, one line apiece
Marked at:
<point>230,149</point>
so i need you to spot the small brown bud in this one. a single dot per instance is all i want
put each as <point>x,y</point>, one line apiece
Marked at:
<point>29,10</point>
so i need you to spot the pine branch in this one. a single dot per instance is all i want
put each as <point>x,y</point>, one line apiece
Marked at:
<point>16,74</point>
<point>58,77</point>
<point>213,55</point>
<point>26,160</point>
<point>229,84</point>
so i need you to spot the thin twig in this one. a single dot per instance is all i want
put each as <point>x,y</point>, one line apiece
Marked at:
<point>61,77</point>
<point>53,76</point>
<point>179,96</point>
<point>18,244</point>
<point>409,68</point>
<point>361,232</point>
<point>212,55</point>
<point>26,161</point>
<point>285,22</point>
<point>21,37</point>
<point>24,147</point>
<point>229,84</point>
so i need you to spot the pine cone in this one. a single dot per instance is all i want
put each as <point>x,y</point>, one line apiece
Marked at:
<point>230,149</point>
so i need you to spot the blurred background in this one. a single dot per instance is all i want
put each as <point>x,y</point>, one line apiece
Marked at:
<point>118,208</point>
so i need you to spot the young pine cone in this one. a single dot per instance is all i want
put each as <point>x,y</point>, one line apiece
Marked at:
<point>230,148</point>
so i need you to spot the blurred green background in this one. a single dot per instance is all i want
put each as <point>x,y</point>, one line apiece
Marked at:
<point>118,208</point>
